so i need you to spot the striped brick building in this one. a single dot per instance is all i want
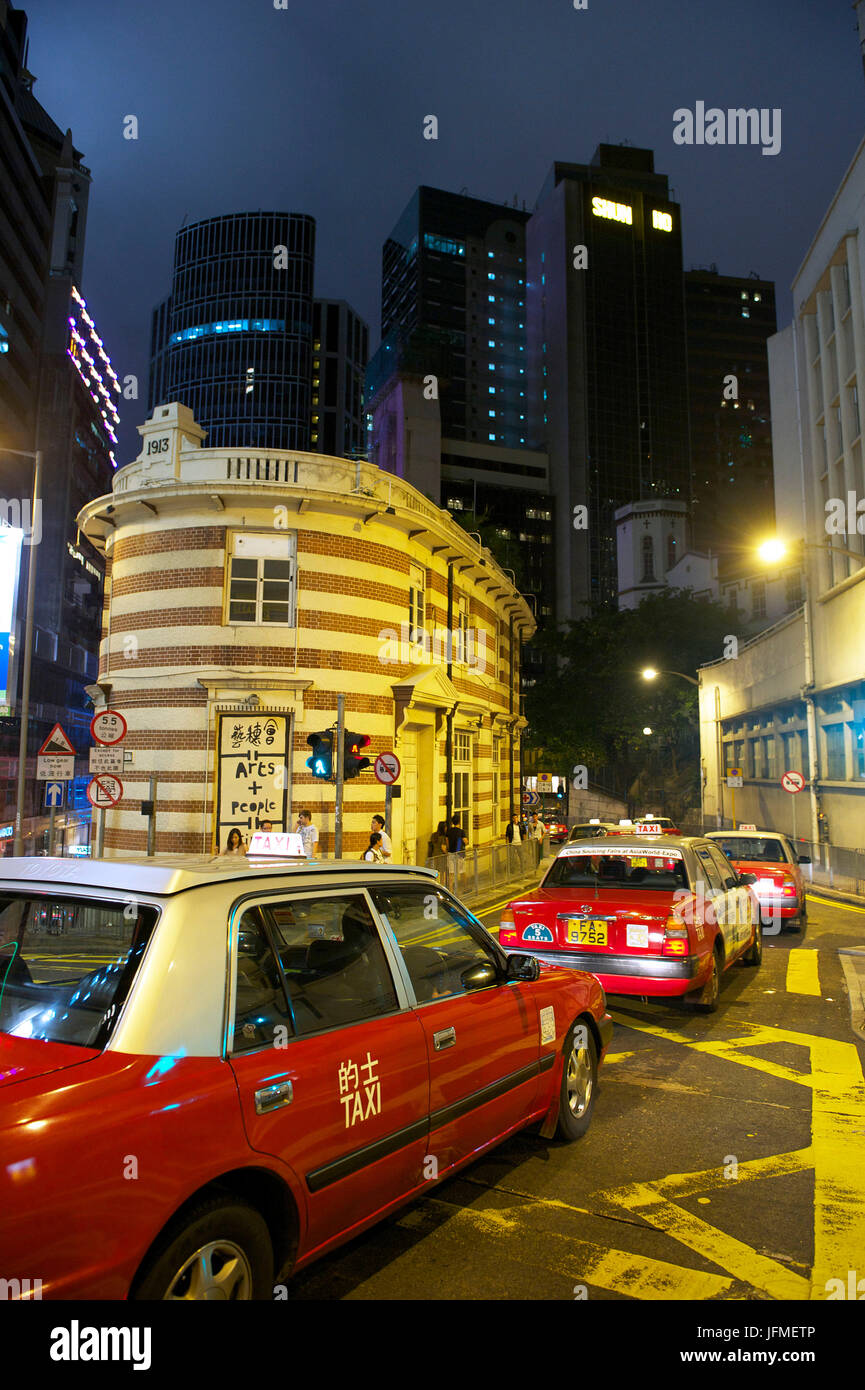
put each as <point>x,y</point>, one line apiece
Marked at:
<point>244,591</point>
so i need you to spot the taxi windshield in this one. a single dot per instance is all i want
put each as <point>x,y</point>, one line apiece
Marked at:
<point>761,851</point>
<point>630,869</point>
<point>66,965</point>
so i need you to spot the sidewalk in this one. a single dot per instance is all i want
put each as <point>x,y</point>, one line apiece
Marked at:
<point>819,890</point>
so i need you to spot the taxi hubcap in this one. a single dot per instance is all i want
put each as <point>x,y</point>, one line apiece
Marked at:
<point>579,1081</point>
<point>217,1272</point>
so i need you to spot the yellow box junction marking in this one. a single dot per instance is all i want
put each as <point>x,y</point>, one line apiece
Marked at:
<point>802,976</point>
<point>836,1154</point>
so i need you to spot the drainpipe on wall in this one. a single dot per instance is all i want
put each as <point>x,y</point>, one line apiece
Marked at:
<point>719,754</point>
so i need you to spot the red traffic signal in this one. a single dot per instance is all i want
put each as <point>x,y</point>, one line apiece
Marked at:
<point>353,761</point>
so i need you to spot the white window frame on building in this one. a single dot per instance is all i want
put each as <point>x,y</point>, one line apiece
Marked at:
<point>461,787</point>
<point>263,549</point>
<point>460,634</point>
<point>416,602</point>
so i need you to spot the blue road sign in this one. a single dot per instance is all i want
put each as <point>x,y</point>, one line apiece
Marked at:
<point>53,794</point>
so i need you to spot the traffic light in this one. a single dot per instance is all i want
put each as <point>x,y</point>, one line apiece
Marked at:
<point>353,761</point>
<point>321,762</point>
<point>561,793</point>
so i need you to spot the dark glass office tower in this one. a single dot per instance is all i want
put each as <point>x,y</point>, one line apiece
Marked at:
<point>340,352</point>
<point>607,356</point>
<point>729,320</point>
<point>233,340</point>
<point>453,294</point>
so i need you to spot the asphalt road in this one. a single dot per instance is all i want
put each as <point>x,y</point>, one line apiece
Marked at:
<point>726,1159</point>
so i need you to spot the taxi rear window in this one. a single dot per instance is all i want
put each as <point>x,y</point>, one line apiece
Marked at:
<point>767,851</point>
<point>629,870</point>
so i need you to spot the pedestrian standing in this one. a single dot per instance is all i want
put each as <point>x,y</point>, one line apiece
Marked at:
<point>307,832</point>
<point>513,833</point>
<point>374,853</point>
<point>377,827</point>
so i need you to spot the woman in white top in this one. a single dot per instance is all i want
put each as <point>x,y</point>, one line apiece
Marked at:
<point>373,854</point>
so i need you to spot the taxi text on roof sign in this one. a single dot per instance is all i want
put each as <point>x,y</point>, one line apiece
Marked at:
<point>276,844</point>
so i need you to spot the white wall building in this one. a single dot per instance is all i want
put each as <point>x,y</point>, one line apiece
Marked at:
<point>795,698</point>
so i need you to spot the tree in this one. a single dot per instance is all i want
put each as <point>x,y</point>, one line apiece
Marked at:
<point>593,704</point>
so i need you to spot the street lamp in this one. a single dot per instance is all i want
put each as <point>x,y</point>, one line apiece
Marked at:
<point>18,846</point>
<point>647,730</point>
<point>649,673</point>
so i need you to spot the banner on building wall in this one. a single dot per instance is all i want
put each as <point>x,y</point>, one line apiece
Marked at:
<point>252,774</point>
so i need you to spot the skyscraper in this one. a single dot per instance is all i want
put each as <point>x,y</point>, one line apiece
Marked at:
<point>607,356</point>
<point>58,394</point>
<point>729,320</point>
<point>233,339</point>
<point>340,352</point>
<point>447,389</point>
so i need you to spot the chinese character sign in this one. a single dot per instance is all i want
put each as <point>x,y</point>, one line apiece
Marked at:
<point>252,774</point>
<point>359,1090</point>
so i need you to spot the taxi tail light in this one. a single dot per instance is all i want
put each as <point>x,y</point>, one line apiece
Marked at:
<point>675,938</point>
<point>507,923</point>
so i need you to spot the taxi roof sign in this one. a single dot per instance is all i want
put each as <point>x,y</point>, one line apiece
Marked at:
<point>275,844</point>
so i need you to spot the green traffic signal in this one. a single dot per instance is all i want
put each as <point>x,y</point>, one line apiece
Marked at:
<point>321,762</point>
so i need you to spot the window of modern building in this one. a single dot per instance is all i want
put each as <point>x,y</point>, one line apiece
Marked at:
<point>836,770</point>
<point>859,751</point>
<point>793,586</point>
<point>262,579</point>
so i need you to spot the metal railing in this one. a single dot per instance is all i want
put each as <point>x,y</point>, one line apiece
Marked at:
<point>477,872</point>
<point>833,866</point>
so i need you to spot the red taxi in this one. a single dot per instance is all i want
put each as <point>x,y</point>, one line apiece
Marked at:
<point>780,885</point>
<point>558,831</point>
<point>655,825</point>
<point>648,915</point>
<point>211,1074</point>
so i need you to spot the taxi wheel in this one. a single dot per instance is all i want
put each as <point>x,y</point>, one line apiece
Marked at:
<point>220,1253</point>
<point>579,1084</point>
<point>754,953</point>
<point>708,998</point>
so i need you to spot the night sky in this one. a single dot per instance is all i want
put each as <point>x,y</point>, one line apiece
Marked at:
<point>319,108</point>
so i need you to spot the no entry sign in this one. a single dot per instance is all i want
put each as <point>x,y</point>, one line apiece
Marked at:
<point>792,781</point>
<point>387,768</point>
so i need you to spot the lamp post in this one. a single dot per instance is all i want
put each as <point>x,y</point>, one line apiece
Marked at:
<point>649,673</point>
<point>18,846</point>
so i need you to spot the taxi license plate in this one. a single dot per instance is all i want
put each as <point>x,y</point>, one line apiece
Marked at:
<point>588,931</point>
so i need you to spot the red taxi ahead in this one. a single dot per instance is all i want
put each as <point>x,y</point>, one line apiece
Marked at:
<point>650,915</point>
<point>211,1075</point>
<point>779,887</point>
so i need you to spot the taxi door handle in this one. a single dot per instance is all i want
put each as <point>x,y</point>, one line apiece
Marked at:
<point>446,1037</point>
<point>272,1097</point>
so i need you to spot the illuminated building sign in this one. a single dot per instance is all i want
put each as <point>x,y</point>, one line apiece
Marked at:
<point>662,220</point>
<point>617,212</point>
<point>94,366</point>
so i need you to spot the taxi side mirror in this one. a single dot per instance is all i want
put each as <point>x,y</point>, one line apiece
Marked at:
<point>803,859</point>
<point>747,878</point>
<point>479,976</point>
<point>521,967</point>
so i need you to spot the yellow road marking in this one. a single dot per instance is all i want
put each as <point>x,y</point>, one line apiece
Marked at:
<point>836,1153</point>
<point>713,1244</point>
<point>802,974</point>
<point>587,1262</point>
<point>830,902</point>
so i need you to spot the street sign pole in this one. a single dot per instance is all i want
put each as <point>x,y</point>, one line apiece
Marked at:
<point>100,836</point>
<point>388,797</point>
<point>24,712</point>
<point>151,822</point>
<point>340,739</point>
<point>52,812</point>
<point>794,820</point>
